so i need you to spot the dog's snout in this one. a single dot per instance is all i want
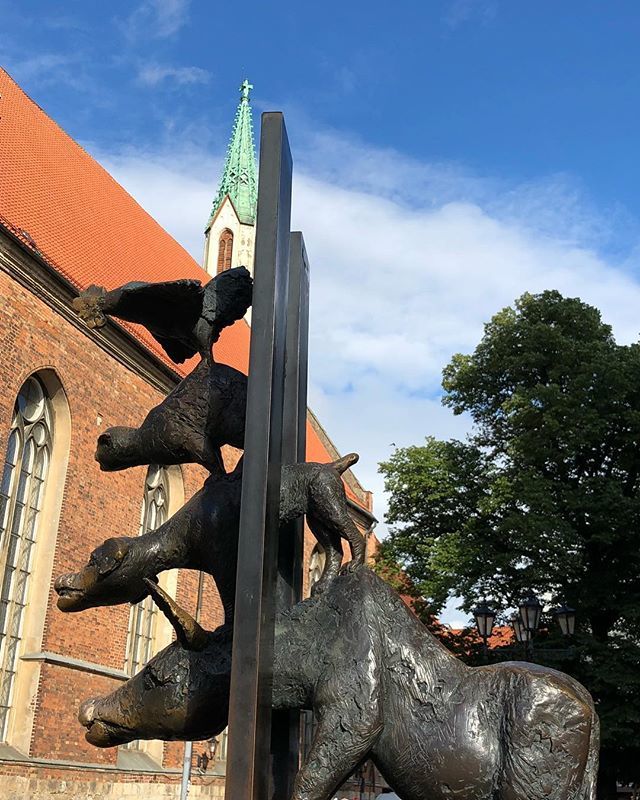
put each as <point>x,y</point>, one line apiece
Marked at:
<point>62,582</point>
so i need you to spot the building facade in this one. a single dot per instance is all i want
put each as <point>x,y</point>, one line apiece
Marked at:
<point>66,224</point>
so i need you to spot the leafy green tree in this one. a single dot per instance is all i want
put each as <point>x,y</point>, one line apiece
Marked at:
<point>543,496</point>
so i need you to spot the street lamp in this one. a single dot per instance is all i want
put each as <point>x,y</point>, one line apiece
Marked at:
<point>485,617</point>
<point>530,611</point>
<point>522,634</point>
<point>525,622</point>
<point>566,617</point>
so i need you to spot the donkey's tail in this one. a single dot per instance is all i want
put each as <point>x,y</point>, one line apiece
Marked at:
<point>345,462</point>
<point>589,779</point>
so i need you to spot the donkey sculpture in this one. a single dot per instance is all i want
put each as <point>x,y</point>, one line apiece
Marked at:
<point>381,686</point>
<point>379,683</point>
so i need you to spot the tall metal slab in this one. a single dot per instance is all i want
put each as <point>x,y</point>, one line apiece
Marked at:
<point>285,730</point>
<point>251,674</point>
<point>294,431</point>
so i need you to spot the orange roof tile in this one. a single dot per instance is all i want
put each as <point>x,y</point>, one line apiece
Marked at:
<point>501,635</point>
<point>65,207</point>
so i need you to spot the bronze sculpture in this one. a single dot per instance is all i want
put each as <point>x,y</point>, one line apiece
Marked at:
<point>379,683</point>
<point>203,535</point>
<point>214,397</point>
<point>382,687</point>
<point>183,316</point>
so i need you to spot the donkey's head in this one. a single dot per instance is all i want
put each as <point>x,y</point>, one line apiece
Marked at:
<point>181,694</point>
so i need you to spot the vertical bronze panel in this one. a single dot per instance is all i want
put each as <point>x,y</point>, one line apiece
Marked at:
<point>251,675</point>
<point>285,729</point>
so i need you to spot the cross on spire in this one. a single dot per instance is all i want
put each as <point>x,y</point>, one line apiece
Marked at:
<point>245,88</point>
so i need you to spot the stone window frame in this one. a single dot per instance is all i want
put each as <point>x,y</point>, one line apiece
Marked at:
<point>162,634</point>
<point>317,561</point>
<point>19,726</point>
<point>141,628</point>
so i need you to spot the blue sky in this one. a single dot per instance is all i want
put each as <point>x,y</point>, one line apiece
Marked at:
<point>450,155</point>
<point>511,88</point>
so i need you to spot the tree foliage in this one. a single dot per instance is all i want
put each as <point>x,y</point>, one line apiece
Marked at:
<point>544,495</point>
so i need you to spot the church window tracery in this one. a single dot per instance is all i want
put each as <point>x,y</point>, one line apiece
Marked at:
<point>22,487</point>
<point>142,620</point>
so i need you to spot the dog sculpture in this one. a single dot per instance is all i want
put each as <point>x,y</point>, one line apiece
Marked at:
<point>203,534</point>
<point>381,686</point>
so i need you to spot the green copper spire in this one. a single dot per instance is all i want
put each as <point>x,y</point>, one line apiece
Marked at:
<point>239,179</point>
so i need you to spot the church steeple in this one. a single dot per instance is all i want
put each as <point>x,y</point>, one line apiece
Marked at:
<point>230,231</point>
<point>239,178</point>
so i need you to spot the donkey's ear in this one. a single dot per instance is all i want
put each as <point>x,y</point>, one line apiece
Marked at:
<point>190,635</point>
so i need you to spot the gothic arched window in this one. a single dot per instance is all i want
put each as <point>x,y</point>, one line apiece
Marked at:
<point>142,619</point>
<point>225,250</point>
<point>23,482</point>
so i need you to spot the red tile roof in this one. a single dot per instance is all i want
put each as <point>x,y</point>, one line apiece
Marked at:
<point>501,635</point>
<point>64,206</point>
<point>68,208</point>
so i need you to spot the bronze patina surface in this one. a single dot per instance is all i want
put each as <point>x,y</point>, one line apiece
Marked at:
<point>381,686</point>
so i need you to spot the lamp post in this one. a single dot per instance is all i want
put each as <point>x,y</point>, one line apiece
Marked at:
<point>530,610</point>
<point>566,617</point>
<point>525,622</point>
<point>485,618</point>
<point>522,634</point>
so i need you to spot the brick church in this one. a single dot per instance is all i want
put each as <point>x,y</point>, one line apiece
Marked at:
<point>65,224</point>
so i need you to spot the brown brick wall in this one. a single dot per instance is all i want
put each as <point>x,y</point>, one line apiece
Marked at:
<point>57,734</point>
<point>28,782</point>
<point>101,392</point>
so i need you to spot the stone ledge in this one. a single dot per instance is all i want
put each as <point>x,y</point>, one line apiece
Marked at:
<point>76,663</point>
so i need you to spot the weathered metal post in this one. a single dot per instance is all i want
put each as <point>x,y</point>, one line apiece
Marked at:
<point>285,729</point>
<point>252,654</point>
<point>294,431</point>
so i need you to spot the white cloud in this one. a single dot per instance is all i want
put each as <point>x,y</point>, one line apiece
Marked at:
<point>408,260</point>
<point>154,74</point>
<point>46,69</point>
<point>64,22</point>
<point>461,11</point>
<point>157,19</point>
